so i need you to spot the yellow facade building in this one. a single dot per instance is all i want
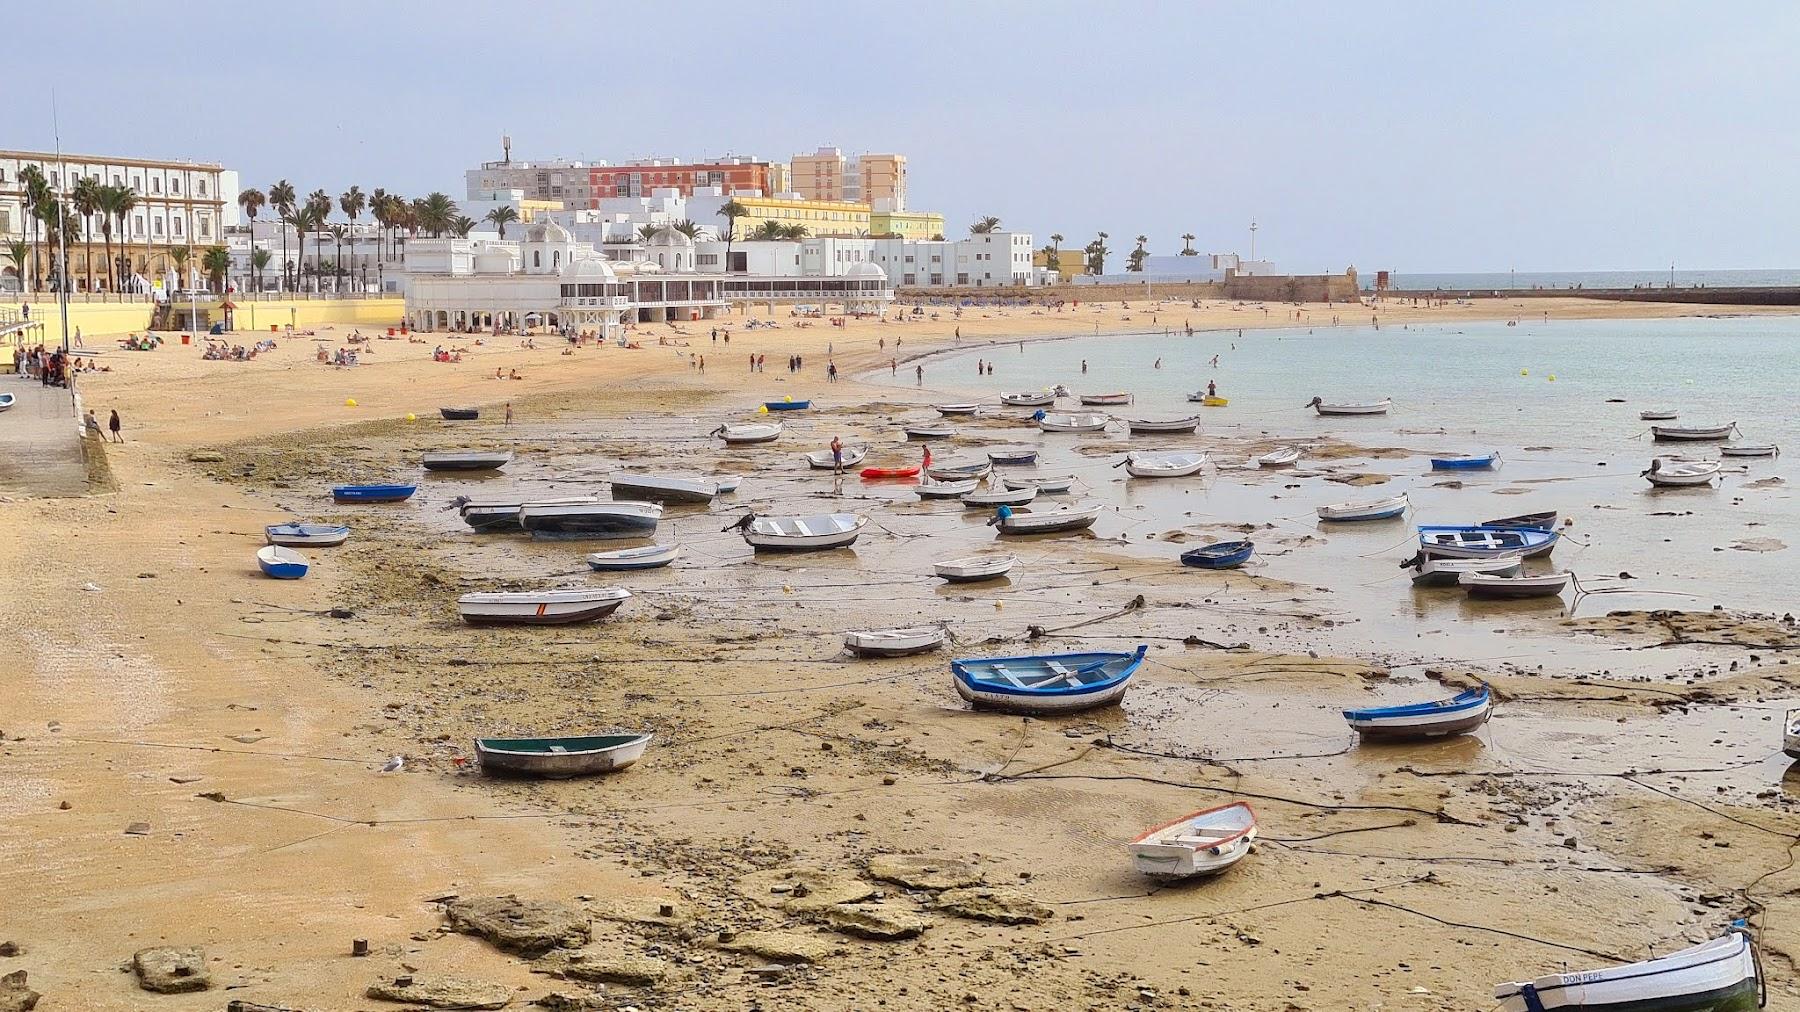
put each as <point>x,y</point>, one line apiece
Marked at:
<point>906,224</point>
<point>821,217</point>
<point>529,208</point>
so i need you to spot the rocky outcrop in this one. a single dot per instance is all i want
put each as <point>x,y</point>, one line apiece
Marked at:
<point>442,992</point>
<point>875,921</point>
<point>171,969</point>
<point>524,927</point>
<point>14,995</point>
<point>916,872</point>
<point>597,967</point>
<point>804,890</point>
<point>998,906</point>
<point>781,946</point>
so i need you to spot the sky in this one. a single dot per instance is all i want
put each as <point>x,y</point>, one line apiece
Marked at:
<point>1413,137</point>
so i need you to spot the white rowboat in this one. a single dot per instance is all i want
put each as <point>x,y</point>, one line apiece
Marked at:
<point>1750,450</point>
<point>1068,518</point>
<point>645,557</point>
<point>1199,843</point>
<point>1693,433</point>
<point>956,409</point>
<point>930,431</point>
<point>795,533</point>
<point>738,435</point>
<point>306,535</point>
<point>662,488</point>
<point>1657,415</point>
<point>1431,571</point>
<point>1073,423</point>
<point>895,642</point>
<point>1117,397</point>
<point>1164,465</point>
<point>1151,426</point>
<point>1721,975</point>
<point>947,489</point>
<point>1495,585</point>
<point>1352,408</point>
<point>1681,473</point>
<point>1029,399</point>
<point>1368,509</point>
<point>974,567</point>
<point>540,607</point>
<point>999,497</point>
<point>1051,485</point>
<point>821,459</point>
<point>1279,458</point>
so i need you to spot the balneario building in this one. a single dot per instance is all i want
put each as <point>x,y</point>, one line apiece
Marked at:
<point>550,280</point>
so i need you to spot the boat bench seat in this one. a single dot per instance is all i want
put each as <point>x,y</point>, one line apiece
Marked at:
<point>558,749</point>
<point>1001,672</point>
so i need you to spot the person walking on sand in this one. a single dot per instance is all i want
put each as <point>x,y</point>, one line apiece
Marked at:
<point>893,367</point>
<point>837,455</point>
<point>115,425</point>
<point>509,413</point>
<point>919,370</point>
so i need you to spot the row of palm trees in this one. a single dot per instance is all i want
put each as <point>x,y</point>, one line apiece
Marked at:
<point>1094,253</point>
<point>434,213</point>
<point>49,215</point>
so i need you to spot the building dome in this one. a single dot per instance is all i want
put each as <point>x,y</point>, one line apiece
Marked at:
<point>865,270</point>
<point>547,231</point>
<point>591,269</point>
<point>668,237</point>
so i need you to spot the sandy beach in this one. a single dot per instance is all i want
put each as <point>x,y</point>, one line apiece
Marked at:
<point>196,752</point>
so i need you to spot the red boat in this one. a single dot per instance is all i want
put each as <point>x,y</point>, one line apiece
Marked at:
<point>874,473</point>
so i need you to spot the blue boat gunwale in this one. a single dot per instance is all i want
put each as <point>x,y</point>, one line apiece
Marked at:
<point>1468,699</point>
<point>309,529</point>
<point>363,491</point>
<point>1526,535</point>
<point>1102,657</point>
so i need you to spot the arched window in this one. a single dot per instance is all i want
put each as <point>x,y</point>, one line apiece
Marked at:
<point>537,258</point>
<point>556,258</point>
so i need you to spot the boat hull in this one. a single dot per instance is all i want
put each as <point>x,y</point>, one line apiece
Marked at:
<point>1375,408</point>
<point>372,493</point>
<point>460,414</point>
<point>633,558</point>
<point>465,462</point>
<point>697,493</point>
<point>973,570</point>
<point>525,612</point>
<point>497,757</point>
<point>1048,523</point>
<point>1014,457</point>
<point>602,526</point>
<point>1150,427</point>
<point>875,645</point>
<point>1459,715</point>
<point>1717,976</point>
<point>787,405</point>
<point>1513,587</point>
<point>1217,557</point>
<point>279,563</point>
<point>1695,434</point>
<point>306,535</point>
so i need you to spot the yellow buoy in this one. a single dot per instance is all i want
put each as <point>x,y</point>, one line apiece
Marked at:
<point>787,399</point>
<point>1553,377</point>
<point>411,417</point>
<point>763,410</point>
<point>1524,372</point>
<point>349,402</point>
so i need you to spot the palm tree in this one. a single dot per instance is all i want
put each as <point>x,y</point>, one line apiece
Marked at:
<point>338,232</point>
<point>259,260</point>
<point>1052,257</point>
<point>794,232</point>
<point>768,230</point>
<point>731,211</point>
<point>319,203</point>
<point>252,201</point>
<point>648,232</point>
<point>1096,254</point>
<point>352,202</point>
<point>127,203</point>
<point>302,220</point>
<point>86,199</point>
<point>109,197</point>
<point>501,216</point>
<point>687,228</point>
<point>382,206</point>
<point>216,261</point>
<point>19,252</point>
<point>984,225</point>
<point>1187,245</point>
<point>65,228</point>
<point>281,196</point>
<point>435,212</point>
<point>1135,259</point>
<point>462,225</point>
<point>180,255</point>
<point>36,190</point>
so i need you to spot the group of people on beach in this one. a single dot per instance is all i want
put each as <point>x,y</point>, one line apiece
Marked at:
<point>51,368</point>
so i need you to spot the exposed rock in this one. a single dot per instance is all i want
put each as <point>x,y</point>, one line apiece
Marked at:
<point>14,995</point>
<point>782,946</point>
<point>171,969</point>
<point>206,457</point>
<point>1359,479</point>
<point>526,927</point>
<point>239,1005</point>
<point>11,949</point>
<point>641,910</point>
<point>804,890</point>
<point>876,921</point>
<point>598,967</point>
<point>916,872</point>
<point>442,992</point>
<point>1001,906</point>
<point>564,1001</point>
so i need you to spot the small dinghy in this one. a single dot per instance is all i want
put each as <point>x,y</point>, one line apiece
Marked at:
<point>959,470</point>
<point>645,557</point>
<point>372,493</point>
<point>742,435</point>
<point>1224,555</point>
<point>1199,843</point>
<point>1657,415</point>
<point>1750,450</point>
<point>1723,975</point>
<point>467,460</point>
<point>1068,518</point>
<point>1048,485</point>
<point>895,642</point>
<point>663,488</point>
<point>885,473</point>
<point>1116,397</point>
<point>999,497</point>
<point>1545,520</point>
<point>1458,715</point>
<point>7,401</point>
<point>1046,683</point>
<point>1790,736</point>
<point>1164,465</point>
<point>1442,541</point>
<point>1379,407</point>
<point>460,414</point>
<point>787,405</point>
<point>601,520</point>
<point>947,489</point>
<point>1029,399</point>
<point>821,459</point>
<point>1430,572</point>
<point>1153,426</point>
<point>1072,423</point>
<point>1282,457</point>
<point>1367,509</point>
<point>975,568</point>
<point>1466,462</point>
<point>948,410</point>
<point>280,563</point>
<point>1681,473</point>
<point>541,607</point>
<point>1496,585</point>
<point>560,758</point>
<point>1015,455</point>
<point>801,534</point>
<point>485,515</point>
<point>1692,433</point>
<point>727,483</point>
<point>930,430</point>
<point>306,535</point>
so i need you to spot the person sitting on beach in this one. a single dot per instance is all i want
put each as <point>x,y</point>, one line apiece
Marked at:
<point>515,375</point>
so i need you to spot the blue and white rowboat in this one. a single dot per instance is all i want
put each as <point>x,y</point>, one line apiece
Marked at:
<point>1723,975</point>
<point>6,401</point>
<point>1013,455</point>
<point>1046,683</point>
<point>787,405</point>
<point>1224,555</point>
<point>372,493</point>
<point>1370,509</point>
<point>1458,715</point>
<point>1466,462</point>
<point>281,563</point>
<point>1453,542</point>
<point>307,535</point>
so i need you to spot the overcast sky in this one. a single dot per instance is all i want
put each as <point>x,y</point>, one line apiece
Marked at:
<point>1414,137</point>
